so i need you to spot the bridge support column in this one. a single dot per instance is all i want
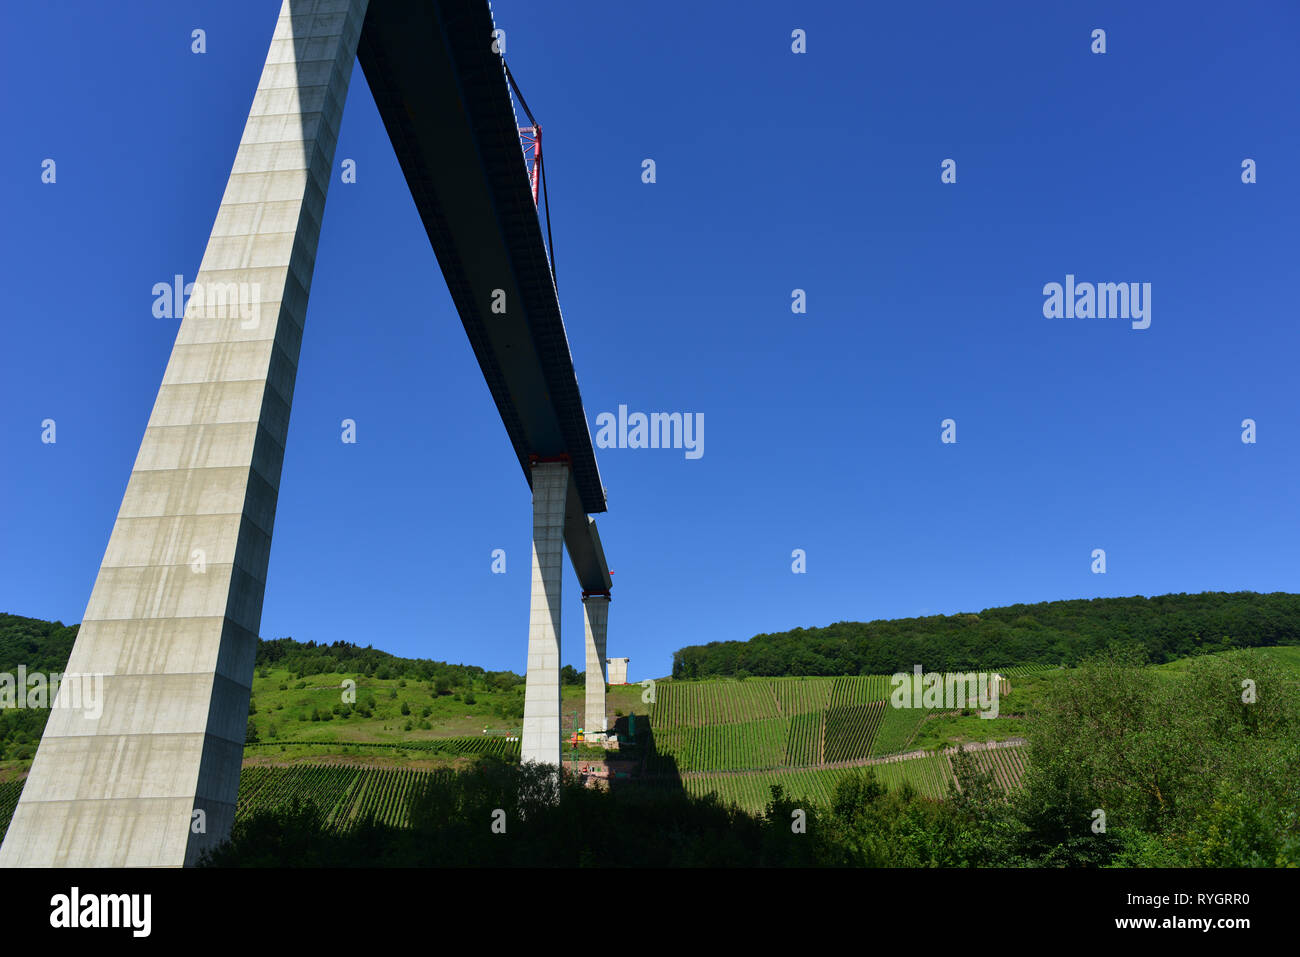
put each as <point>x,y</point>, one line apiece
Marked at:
<point>596,612</point>
<point>171,627</point>
<point>541,737</point>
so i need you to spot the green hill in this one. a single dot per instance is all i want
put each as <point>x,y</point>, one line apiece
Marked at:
<point>1049,633</point>
<point>1193,773</point>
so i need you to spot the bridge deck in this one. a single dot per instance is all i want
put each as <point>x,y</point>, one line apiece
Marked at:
<point>444,99</point>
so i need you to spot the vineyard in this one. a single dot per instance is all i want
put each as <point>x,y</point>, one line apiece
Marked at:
<point>928,775</point>
<point>796,696</point>
<point>1007,765</point>
<point>1024,670</point>
<point>781,723</point>
<point>345,795</point>
<point>693,704</point>
<point>851,730</point>
<point>485,745</point>
<point>804,740</point>
<point>718,747</point>
<point>9,792</point>
<point>859,689</point>
<point>897,728</point>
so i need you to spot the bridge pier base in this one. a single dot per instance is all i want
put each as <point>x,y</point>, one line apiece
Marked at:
<point>541,736</point>
<point>596,612</point>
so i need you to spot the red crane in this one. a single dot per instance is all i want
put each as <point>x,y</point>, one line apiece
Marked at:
<point>532,137</point>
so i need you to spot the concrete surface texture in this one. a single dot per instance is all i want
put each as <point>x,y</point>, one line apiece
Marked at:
<point>596,616</point>
<point>541,734</point>
<point>173,619</point>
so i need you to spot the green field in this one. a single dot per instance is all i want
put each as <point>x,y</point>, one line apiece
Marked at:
<point>345,795</point>
<point>784,723</point>
<point>288,708</point>
<point>928,775</point>
<point>496,746</point>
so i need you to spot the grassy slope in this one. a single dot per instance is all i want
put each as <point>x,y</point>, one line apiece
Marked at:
<point>929,775</point>
<point>447,716</point>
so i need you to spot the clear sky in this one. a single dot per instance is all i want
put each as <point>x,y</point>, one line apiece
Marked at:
<point>775,171</point>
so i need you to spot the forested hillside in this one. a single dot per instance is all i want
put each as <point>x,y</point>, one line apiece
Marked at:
<point>1054,633</point>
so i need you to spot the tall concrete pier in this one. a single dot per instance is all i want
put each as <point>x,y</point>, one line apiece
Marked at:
<point>541,735</point>
<point>596,617</point>
<point>173,619</point>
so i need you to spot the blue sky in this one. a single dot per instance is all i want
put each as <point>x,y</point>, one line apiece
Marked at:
<point>775,171</point>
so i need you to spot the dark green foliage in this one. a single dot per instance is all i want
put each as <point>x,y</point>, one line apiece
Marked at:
<point>39,646</point>
<point>1058,632</point>
<point>341,657</point>
<point>547,824</point>
<point>1186,772</point>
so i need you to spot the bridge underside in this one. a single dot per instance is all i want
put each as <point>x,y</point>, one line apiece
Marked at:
<point>442,92</point>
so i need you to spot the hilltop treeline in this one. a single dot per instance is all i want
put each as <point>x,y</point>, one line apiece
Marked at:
<point>45,646</point>
<point>1055,632</point>
<point>40,647</point>
<point>309,658</point>
<point>36,644</point>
